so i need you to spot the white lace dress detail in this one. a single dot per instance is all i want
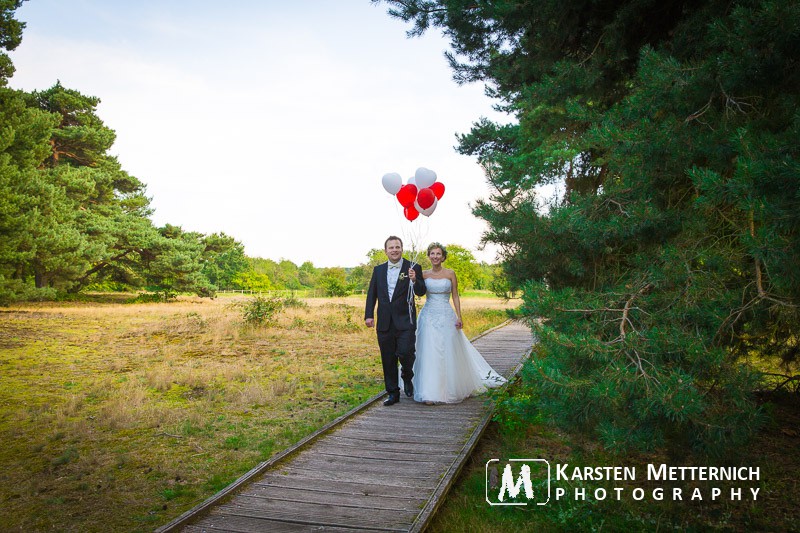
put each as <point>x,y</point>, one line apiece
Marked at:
<point>448,368</point>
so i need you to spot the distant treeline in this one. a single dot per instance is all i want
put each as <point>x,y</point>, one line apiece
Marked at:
<point>266,274</point>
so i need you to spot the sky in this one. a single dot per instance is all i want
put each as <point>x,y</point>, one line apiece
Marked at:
<point>271,121</point>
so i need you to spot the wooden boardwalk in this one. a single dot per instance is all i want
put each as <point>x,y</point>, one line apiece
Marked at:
<point>374,469</point>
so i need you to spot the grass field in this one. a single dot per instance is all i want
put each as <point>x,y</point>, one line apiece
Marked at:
<point>119,417</point>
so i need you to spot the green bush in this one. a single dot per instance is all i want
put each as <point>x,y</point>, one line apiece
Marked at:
<point>261,310</point>
<point>334,287</point>
<point>294,303</point>
<point>154,297</point>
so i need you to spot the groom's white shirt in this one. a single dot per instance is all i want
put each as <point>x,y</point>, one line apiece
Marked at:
<point>392,273</point>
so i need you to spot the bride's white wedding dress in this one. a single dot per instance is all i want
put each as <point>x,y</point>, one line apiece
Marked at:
<point>448,368</point>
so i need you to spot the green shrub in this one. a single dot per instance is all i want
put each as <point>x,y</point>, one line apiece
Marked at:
<point>261,310</point>
<point>334,287</point>
<point>153,297</point>
<point>294,303</point>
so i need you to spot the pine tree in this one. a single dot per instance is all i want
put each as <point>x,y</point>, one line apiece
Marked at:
<point>70,215</point>
<point>669,257</point>
<point>223,259</point>
<point>10,37</point>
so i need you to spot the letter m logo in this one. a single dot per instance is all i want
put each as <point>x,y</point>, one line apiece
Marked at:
<point>510,487</point>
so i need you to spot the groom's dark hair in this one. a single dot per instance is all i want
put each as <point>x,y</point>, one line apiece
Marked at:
<point>392,238</point>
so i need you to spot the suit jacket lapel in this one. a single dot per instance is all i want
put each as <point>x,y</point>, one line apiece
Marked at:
<point>383,285</point>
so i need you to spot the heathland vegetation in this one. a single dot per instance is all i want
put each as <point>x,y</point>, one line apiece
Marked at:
<point>119,416</point>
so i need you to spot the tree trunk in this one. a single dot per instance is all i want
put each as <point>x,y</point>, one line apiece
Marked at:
<point>41,278</point>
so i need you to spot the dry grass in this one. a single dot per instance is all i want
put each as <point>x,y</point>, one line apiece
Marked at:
<point>120,417</point>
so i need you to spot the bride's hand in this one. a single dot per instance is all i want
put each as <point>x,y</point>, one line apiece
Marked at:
<point>459,324</point>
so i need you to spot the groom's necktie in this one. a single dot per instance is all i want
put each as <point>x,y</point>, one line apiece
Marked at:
<point>393,272</point>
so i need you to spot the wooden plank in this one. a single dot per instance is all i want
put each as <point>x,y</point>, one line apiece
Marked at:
<point>363,501</point>
<point>352,442</point>
<point>406,417</point>
<point>336,518</point>
<point>357,489</point>
<point>397,479</point>
<point>407,437</point>
<point>365,453</point>
<point>238,524</point>
<point>331,456</point>
<point>317,513</point>
<point>355,465</point>
<point>453,423</point>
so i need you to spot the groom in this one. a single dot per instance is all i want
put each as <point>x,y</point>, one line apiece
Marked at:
<point>397,318</point>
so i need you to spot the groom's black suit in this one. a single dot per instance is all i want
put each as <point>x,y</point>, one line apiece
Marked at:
<point>396,326</point>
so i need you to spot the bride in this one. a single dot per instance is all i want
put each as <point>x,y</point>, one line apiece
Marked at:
<point>448,368</point>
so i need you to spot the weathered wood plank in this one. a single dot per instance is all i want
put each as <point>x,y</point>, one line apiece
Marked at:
<point>275,493</point>
<point>317,514</point>
<point>398,436</point>
<point>414,425</point>
<point>405,417</point>
<point>377,453</point>
<point>239,524</point>
<point>358,489</point>
<point>391,446</point>
<point>356,465</point>
<point>396,479</point>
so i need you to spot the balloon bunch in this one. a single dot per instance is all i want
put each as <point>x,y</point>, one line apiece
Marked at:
<point>419,196</point>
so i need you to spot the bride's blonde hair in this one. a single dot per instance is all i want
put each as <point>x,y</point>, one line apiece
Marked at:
<point>434,245</point>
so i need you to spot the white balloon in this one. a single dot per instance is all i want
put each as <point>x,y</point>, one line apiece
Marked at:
<point>424,177</point>
<point>392,182</point>
<point>427,212</point>
<point>412,181</point>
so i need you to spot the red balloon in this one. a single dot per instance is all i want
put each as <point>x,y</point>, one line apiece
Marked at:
<point>411,213</point>
<point>438,189</point>
<point>406,195</point>
<point>425,198</point>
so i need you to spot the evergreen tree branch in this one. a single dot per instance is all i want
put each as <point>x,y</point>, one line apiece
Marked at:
<point>700,112</point>
<point>596,46</point>
<point>788,379</point>
<point>100,266</point>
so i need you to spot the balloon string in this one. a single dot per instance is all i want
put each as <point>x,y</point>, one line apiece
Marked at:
<point>414,238</point>
<point>411,301</point>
